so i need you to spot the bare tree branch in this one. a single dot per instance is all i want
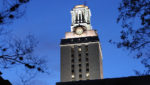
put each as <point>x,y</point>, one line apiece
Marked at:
<point>135,38</point>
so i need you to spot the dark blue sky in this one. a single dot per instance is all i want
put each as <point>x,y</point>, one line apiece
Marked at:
<point>48,20</point>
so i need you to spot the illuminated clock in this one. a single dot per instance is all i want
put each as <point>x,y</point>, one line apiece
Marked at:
<point>79,30</point>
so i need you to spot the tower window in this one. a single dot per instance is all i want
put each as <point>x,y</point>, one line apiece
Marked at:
<point>79,49</point>
<point>80,70</point>
<point>71,40</point>
<point>87,74</point>
<point>72,49</point>
<point>87,64</point>
<point>87,69</point>
<point>79,39</point>
<point>86,54</point>
<point>72,76</point>
<point>72,71</point>
<point>79,59</point>
<point>72,66</point>
<point>79,65</point>
<point>79,54</point>
<point>86,48</point>
<point>87,59</point>
<point>72,60</point>
<point>86,39</point>
<point>72,55</point>
<point>80,76</point>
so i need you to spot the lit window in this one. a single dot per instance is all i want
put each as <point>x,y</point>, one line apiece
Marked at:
<point>72,76</point>
<point>87,74</point>
<point>79,49</point>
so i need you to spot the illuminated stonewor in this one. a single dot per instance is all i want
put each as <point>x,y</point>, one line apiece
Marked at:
<point>81,56</point>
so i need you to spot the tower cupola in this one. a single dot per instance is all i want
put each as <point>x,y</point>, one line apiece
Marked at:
<point>81,16</point>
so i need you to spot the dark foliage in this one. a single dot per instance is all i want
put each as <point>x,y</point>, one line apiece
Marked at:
<point>17,51</point>
<point>134,15</point>
<point>12,10</point>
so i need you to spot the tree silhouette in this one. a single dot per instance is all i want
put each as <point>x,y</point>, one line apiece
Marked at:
<point>20,51</point>
<point>134,16</point>
<point>17,51</point>
<point>12,9</point>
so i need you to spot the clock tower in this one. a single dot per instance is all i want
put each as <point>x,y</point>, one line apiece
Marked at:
<point>81,55</point>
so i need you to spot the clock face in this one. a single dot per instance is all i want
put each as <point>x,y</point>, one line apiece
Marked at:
<point>79,30</point>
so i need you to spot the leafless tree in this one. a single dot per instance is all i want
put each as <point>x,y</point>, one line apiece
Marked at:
<point>12,9</point>
<point>134,15</point>
<point>26,76</point>
<point>16,51</point>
